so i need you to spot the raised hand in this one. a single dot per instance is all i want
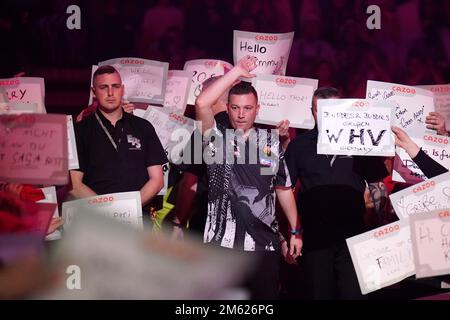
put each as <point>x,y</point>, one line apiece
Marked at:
<point>436,121</point>
<point>403,140</point>
<point>247,64</point>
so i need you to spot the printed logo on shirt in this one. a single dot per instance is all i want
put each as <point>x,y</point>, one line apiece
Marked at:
<point>135,142</point>
<point>266,162</point>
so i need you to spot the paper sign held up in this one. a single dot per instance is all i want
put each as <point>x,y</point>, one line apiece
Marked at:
<point>144,80</point>
<point>33,149</point>
<point>430,235</point>
<point>125,207</point>
<point>25,90</point>
<point>426,196</point>
<point>412,104</point>
<point>174,130</point>
<point>382,256</point>
<point>355,127</point>
<point>178,86</point>
<point>201,70</point>
<point>271,49</point>
<point>282,98</point>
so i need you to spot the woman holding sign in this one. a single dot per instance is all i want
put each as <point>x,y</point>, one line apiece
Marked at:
<point>428,166</point>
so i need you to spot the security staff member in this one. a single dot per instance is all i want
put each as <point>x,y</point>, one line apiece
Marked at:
<point>117,151</point>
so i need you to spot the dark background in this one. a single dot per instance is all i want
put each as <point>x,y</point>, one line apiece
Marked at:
<point>332,42</point>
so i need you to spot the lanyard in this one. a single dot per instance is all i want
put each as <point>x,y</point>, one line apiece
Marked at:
<point>106,131</point>
<point>332,159</point>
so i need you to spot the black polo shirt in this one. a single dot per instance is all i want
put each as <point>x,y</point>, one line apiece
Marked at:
<point>331,196</point>
<point>107,170</point>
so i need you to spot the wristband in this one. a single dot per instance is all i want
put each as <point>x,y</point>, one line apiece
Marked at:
<point>295,232</point>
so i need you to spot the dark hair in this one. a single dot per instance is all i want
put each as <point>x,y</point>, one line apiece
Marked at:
<point>242,87</point>
<point>326,93</point>
<point>104,70</point>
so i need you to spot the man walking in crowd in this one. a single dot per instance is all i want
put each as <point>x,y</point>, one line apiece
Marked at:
<point>241,200</point>
<point>117,151</point>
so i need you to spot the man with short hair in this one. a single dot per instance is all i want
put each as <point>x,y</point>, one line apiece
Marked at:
<point>331,205</point>
<point>241,195</point>
<point>117,151</point>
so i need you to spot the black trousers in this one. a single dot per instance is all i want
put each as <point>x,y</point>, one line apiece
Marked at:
<point>329,274</point>
<point>264,282</point>
<point>262,278</point>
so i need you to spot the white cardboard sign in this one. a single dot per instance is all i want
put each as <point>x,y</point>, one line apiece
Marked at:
<point>125,207</point>
<point>25,90</point>
<point>144,80</point>
<point>178,86</point>
<point>282,98</point>
<point>426,196</point>
<point>412,104</point>
<point>202,69</point>
<point>382,256</point>
<point>271,49</point>
<point>430,235</point>
<point>355,127</point>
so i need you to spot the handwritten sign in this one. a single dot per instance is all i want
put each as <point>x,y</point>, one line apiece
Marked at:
<point>125,207</point>
<point>50,197</point>
<point>91,95</point>
<point>25,90</point>
<point>119,262</point>
<point>144,80</point>
<point>201,70</point>
<point>282,98</point>
<point>174,130</point>
<point>426,196</point>
<point>71,145</point>
<point>382,256</point>
<point>441,99</point>
<point>430,235</point>
<point>355,127</point>
<point>178,86</point>
<point>271,49</point>
<point>436,146</point>
<point>33,149</point>
<point>412,104</point>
